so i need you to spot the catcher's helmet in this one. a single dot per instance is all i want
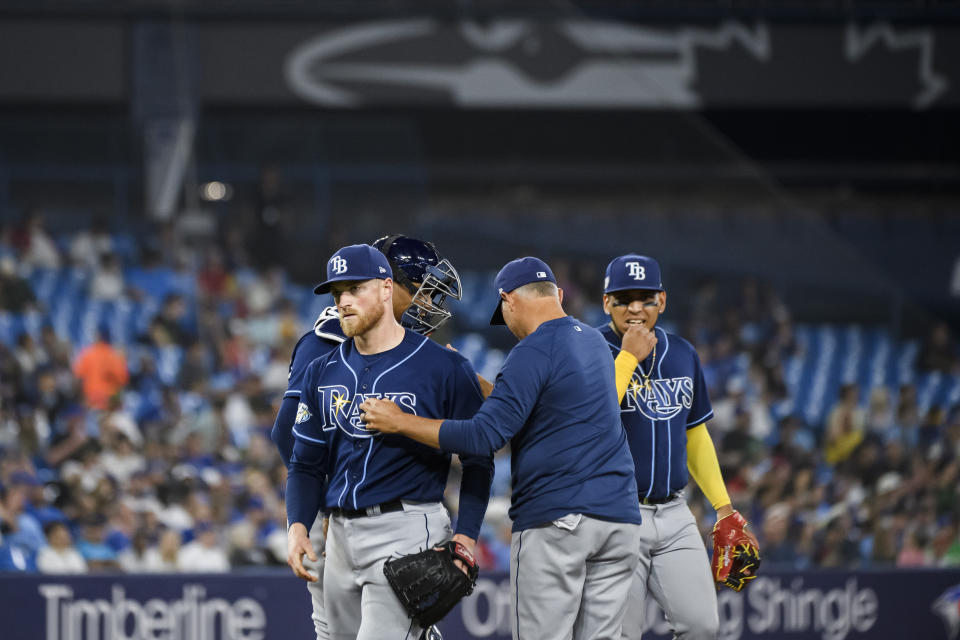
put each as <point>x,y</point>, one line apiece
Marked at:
<point>415,261</point>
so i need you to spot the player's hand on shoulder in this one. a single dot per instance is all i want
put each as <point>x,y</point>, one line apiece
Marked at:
<point>639,341</point>
<point>298,544</point>
<point>380,415</point>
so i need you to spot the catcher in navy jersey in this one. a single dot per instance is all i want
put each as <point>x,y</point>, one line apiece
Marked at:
<point>664,409</point>
<point>426,281</point>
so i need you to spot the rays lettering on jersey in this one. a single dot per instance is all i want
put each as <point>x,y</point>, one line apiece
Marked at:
<point>662,399</point>
<point>341,411</point>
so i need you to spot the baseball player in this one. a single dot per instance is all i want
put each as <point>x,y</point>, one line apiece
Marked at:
<point>574,505</point>
<point>426,280</point>
<point>664,409</point>
<point>383,492</point>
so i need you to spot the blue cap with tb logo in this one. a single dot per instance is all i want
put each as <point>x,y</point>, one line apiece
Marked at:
<point>355,262</point>
<point>632,271</point>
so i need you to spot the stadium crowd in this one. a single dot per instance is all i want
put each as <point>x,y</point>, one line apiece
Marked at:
<point>144,447</point>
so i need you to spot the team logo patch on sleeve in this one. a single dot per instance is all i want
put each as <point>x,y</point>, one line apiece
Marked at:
<point>303,413</point>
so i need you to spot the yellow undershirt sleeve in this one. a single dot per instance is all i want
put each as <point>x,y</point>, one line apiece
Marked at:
<point>624,366</point>
<point>704,466</point>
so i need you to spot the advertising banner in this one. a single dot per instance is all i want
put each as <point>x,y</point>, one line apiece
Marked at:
<point>834,605</point>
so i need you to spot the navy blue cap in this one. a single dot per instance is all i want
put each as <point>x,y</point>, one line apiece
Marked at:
<point>632,271</point>
<point>356,262</point>
<point>517,273</point>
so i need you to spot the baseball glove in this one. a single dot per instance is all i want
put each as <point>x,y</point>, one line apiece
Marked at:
<point>429,584</point>
<point>736,553</point>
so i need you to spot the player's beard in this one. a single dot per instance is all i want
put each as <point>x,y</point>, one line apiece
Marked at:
<point>360,323</point>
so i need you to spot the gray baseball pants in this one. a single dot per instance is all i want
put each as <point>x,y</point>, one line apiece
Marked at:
<point>359,602</point>
<point>570,579</point>
<point>673,567</point>
<point>319,616</point>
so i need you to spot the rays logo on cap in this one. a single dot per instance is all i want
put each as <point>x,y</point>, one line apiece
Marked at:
<point>636,271</point>
<point>338,265</point>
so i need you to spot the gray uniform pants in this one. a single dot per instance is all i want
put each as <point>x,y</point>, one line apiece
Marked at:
<point>674,569</point>
<point>359,602</point>
<point>570,579</point>
<point>316,588</point>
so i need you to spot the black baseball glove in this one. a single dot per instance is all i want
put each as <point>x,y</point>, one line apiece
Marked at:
<point>429,584</point>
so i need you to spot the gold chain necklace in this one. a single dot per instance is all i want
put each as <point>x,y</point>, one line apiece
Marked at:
<point>646,377</point>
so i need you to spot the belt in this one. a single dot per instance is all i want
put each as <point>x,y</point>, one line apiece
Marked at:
<point>375,510</point>
<point>664,500</point>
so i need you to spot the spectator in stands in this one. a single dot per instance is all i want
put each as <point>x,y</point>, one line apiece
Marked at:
<point>882,547</point>
<point>778,550</point>
<point>907,418</point>
<point>939,351</point>
<point>837,547</point>
<point>102,370</point>
<point>945,546</point>
<point>879,416</point>
<point>119,459</point>
<point>19,528</point>
<point>196,367</point>
<point>89,245</point>
<point>57,350</point>
<point>739,448</point>
<point>69,443</point>
<point>244,551</point>
<point>107,282</point>
<point>912,553</point>
<point>98,555</point>
<point>173,319</point>
<point>140,557</point>
<point>28,355</point>
<point>930,432</point>
<point>168,551</point>
<point>845,424</point>
<point>38,248</point>
<point>205,554</point>
<point>213,279</point>
<point>16,295</point>
<point>48,399</point>
<point>59,555</point>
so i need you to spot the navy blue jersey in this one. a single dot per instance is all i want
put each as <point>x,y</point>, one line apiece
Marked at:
<point>366,468</point>
<point>325,336</point>
<point>657,418</point>
<point>555,399</point>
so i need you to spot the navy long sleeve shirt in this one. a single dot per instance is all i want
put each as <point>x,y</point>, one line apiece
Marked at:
<point>555,400</point>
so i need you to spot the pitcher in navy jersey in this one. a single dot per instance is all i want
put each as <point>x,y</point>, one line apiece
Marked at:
<point>665,407</point>
<point>383,492</point>
<point>574,500</point>
<point>426,282</point>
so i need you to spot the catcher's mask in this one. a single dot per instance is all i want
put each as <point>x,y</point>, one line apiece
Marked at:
<point>414,261</point>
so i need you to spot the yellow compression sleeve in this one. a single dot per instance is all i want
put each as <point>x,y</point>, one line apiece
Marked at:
<point>704,466</point>
<point>624,366</point>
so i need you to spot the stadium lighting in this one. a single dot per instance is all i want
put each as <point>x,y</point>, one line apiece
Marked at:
<point>216,191</point>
